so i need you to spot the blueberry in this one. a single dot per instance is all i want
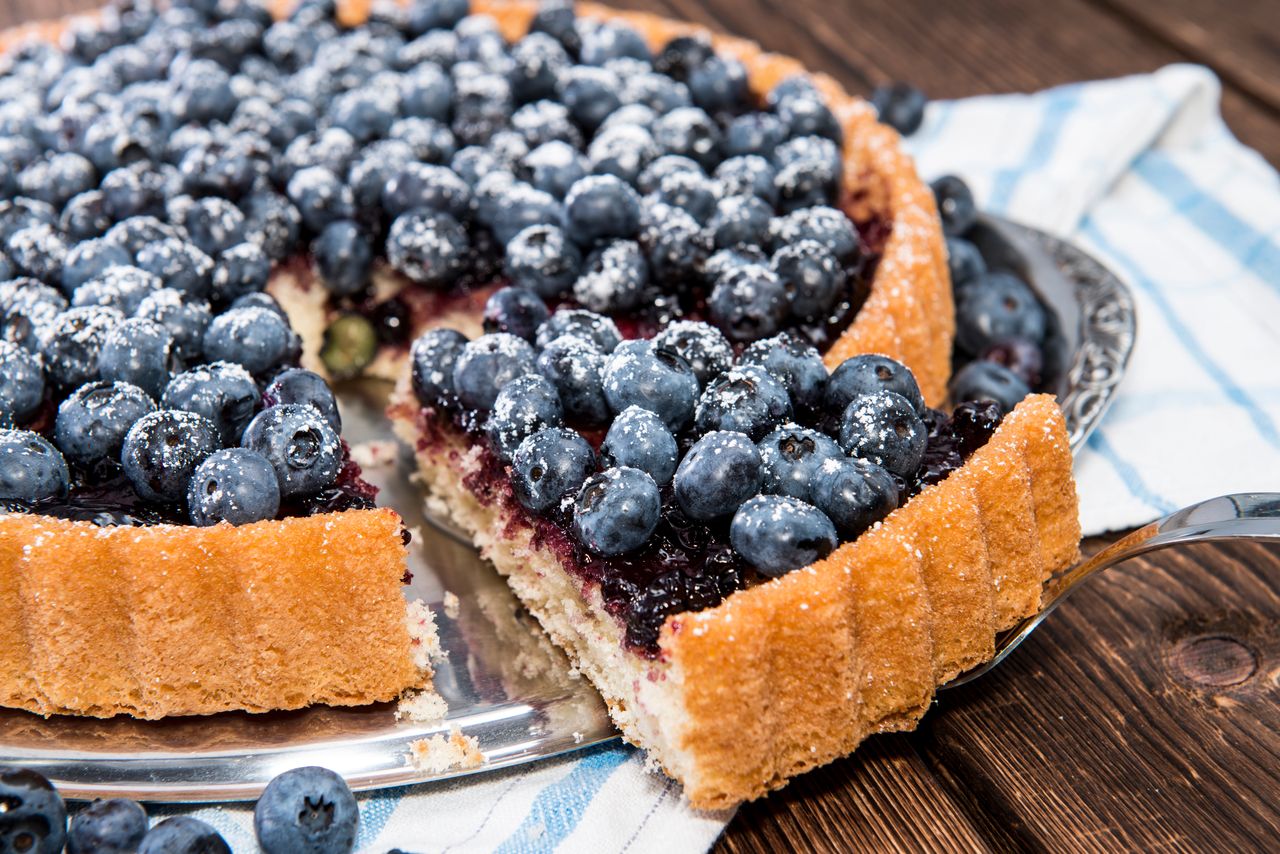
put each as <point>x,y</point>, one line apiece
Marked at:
<point>777,533</point>
<point>869,373</point>
<point>542,259</point>
<point>136,232</point>
<point>422,185</point>
<point>812,276</point>
<point>217,166</point>
<point>639,439</point>
<point>234,485</point>
<point>134,190</point>
<point>680,56</point>
<point>433,356</point>
<point>721,470</point>
<point>436,14</point>
<point>366,114</point>
<point>900,105</point>
<point>745,399</point>
<point>576,369</point>
<point>139,352</point>
<point>805,182</point>
<point>613,278</point>
<point>622,151</point>
<point>183,834</point>
<point>617,510</point>
<point>241,269</point>
<point>298,385</point>
<point>26,308</point>
<point>213,224</point>
<point>989,381</point>
<point>72,341</point>
<point>590,93</point>
<point>724,260</point>
<point>828,226</point>
<point>668,164</point>
<point>121,287</point>
<point>549,466</point>
<point>272,222</point>
<point>487,364</point>
<point>308,809</point>
<point>748,175</point>
<point>602,42</point>
<point>35,819</point>
<point>517,310</point>
<point>964,262</point>
<point>739,221</point>
<point>178,264</point>
<point>85,216</point>
<point>256,338</point>
<point>595,329</point>
<point>748,302</point>
<point>701,345</point>
<point>91,424</point>
<point>21,383</point>
<point>996,307</point>
<point>223,392</point>
<point>186,320</point>
<point>523,407</point>
<point>646,96</point>
<point>470,163</point>
<point>522,207</point>
<point>482,106</point>
<point>600,207</point>
<point>114,826</point>
<point>426,92</point>
<point>429,248</point>
<point>690,132</point>
<point>38,251</point>
<point>31,469</point>
<point>638,374</point>
<point>57,179</point>
<point>538,59</point>
<point>854,493</point>
<point>956,206</point>
<point>883,427</point>
<point>690,190</point>
<point>300,445</point>
<point>791,456</point>
<point>793,362</point>
<point>556,18</point>
<point>809,117</point>
<point>811,151</point>
<point>162,449</point>
<point>1024,358</point>
<point>203,92</point>
<point>554,167</point>
<point>719,85</point>
<point>88,260</point>
<point>343,256</point>
<point>675,244</point>
<point>23,213</point>
<point>754,133</point>
<point>320,197</point>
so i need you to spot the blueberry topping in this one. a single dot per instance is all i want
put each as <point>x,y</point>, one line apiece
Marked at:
<point>523,407</point>
<point>487,364</point>
<point>343,256</point>
<point>992,381</point>
<point>690,132</point>
<point>791,456</point>
<point>140,352</point>
<point>34,820</point>
<point>748,302</point>
<point>114,826</point>
<point>956,206</point>
<point>676,246</point>
<point>639,374</point>
<point>178,265</point>
<point>223,392</point>
<point>793,362</point>
<point>91,424</point>
<point>777,533</point>
<point>595,329</point>
<point>256,338</point>
<point>600,207</point>
<point>703,346</point>
<point>72,341</point>
<point>826,225</point>
<point>811,276</point>
<point>21,384</point>
<point>883,427</point>
<point>721,470</point>
<point>519,311</point>
<point>746,399</point>
<point>433,356</point>
<point>300,445</point>
<point>162,449</point>
<point>183,834</point>
<point>576,369</point>
<point>616,510</point>
<point>901,106</point>
<point>31,470</point>
<point>866,374</point>
<point>854,493</point>
<point>89,260</point>
<point>550,466</point>
<point>640,439</point>
<point>429,248</point>
<point>234,485</point>
<point>297,385</point>
<point>613,278</point>
<point>308,809</point>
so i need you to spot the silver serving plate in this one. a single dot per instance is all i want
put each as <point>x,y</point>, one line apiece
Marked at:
<point>505,684</point>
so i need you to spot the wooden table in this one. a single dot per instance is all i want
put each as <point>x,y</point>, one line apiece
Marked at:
<point>1146,712</point>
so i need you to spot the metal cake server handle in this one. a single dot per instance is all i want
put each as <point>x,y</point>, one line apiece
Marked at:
<point>1245,516</point>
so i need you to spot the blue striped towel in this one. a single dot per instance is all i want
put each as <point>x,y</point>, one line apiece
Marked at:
<point>1142,173</point>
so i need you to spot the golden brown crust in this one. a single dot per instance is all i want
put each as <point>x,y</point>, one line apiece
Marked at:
<point>167,620</point>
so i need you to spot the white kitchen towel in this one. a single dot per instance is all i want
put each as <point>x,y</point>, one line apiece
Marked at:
<point>1142,173</point>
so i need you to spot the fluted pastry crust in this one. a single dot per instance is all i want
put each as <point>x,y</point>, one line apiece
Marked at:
<point>792,673</point>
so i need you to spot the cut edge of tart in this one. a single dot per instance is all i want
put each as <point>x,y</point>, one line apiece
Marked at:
<point>162,620</point>
<point>795,672</point>
<point>909,313</point>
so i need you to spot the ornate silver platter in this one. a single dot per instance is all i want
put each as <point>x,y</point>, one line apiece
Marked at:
<point>504,682</point>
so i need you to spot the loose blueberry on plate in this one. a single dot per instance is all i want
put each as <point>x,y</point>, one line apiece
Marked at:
<point>956,206</point>
<point>996,307</point>
<point>306,809</point>
<point>777,533</point>
<point>616,510</point>
<point>883,427</point>
<point>114,826</point>
<point>721,470</point>
<point>964,262</point>
<point>984,380</point>
<point>550,465</point>
<point>1019,355</point>
<point>183,834</point>
<point>900,106</point>
<point>300,445</point>
<point>34,820</point>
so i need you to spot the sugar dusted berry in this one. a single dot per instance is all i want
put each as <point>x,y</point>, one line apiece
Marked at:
<point>21,383</point>
<point>298,385</point>
<point>576,368</point>
<point>748,302</point>
<point>523,407</point>
<point>429,248</point>
<point>854,493</point>
<point>638,374</point>
<point>300,445</point>
<point>487,364</point>
<point>549,467</point>
<point>639,439</point>
<point>595,329</point>
<point>234,485</point>
<point>883,427</point>
<point>432,357</point>
<point>223,392</point>
<point>777,533</point>
<point>162,449</point>
<point>613,278</point>
<point>869,373</point>
<point>721,470</point>
<point>617,510</point>
<point>31,469</point>
<point>746,399</point>
<point>700,344</point>
<point>984,380</point>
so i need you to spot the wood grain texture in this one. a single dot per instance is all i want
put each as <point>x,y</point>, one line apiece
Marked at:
<point>1146,712</point>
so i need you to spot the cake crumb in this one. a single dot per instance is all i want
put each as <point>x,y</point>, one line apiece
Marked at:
<point>438,754</point>
<point>577,738</point>
<point>424,640</point>
<point>422,707</point>
<point>376,453</point>
<point>451,604</point>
